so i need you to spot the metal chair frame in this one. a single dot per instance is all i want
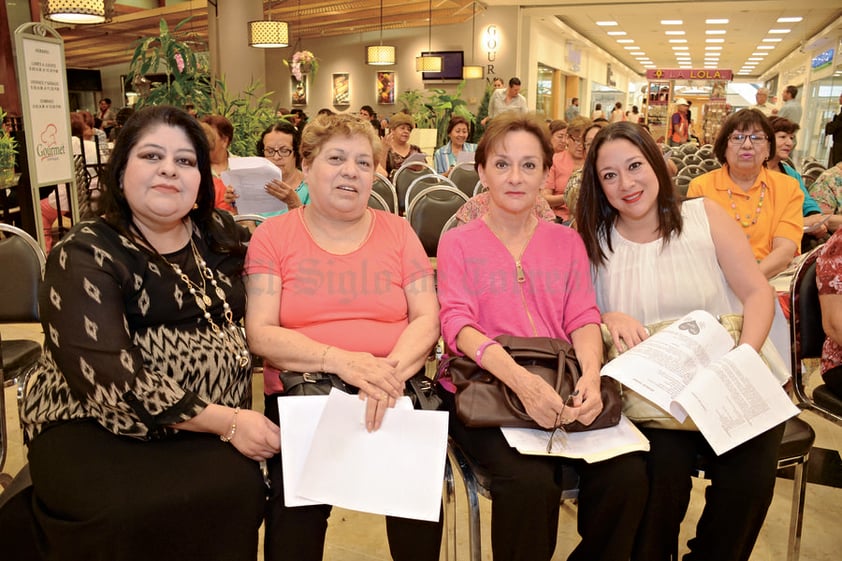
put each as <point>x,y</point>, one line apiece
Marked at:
<point>392,200</point>
<point>420,183</point>
<point>381,203</point>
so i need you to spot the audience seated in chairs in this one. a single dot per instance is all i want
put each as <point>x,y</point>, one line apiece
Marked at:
<point>827,191</point>
<point>829,281</point>
<point>446,157</point>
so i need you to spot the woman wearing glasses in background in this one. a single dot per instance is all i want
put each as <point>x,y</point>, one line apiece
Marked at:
<point>564,164</point>
<point>279,144</point>
<point>766,204</point>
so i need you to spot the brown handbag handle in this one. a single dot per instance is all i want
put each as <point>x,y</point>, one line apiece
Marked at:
<point>565,363</point>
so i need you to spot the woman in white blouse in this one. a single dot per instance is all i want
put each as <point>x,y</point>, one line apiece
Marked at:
<point>656,259</point>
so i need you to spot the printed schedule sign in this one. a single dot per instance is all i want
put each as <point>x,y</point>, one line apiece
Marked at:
<point>44,86</point>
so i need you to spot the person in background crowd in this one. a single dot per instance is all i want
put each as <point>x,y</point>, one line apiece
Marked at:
<point>498,83</point>
<point>597,112</point>
<point>280,145</point>
<point>374,341</point>
<point>679,132</point>
<point>829,282</point>
<point>573,110</point>
<point>512,273</point>
<point>640,240</point>
<point>106,118</point>
<point>299,118</point>
<point>447,156</point>
<point>558,135</point>
<point>767,205</point>
<point>762,97</point>
<point>222,199</point>
<point>138,414</point>
<point>834,128</point>
<point>506,100</point>
<point>827,191</point>
<point>564,164</point>
<point>396,143</point>
<point>636,116</point>
<point>367,114</point>
<point>617,114</point>
<point>225,134</point>
<point>790,109</point>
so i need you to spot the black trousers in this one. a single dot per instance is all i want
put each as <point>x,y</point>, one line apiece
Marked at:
<point>833,380</point>
<point>736,501</point>
<point>98,496</point>
<point>526,491</point>
<point>298,533</point>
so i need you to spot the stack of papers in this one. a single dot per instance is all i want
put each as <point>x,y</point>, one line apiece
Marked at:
<point>248,177</point>
<point>330,458</point>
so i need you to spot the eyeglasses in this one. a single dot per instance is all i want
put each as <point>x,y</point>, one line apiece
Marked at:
<point>739,138</point>
<point>272,152</point>
<point>559,427</point>
<point>576,140</point>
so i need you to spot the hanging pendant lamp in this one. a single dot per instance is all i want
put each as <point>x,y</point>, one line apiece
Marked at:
<point>380,55</point>
<point>82,12</point>
<point>473,71</point>
<point>428,62</point>
<point>268,34</point>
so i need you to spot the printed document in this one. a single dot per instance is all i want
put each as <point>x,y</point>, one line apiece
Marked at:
<point>248,177</point>
<point>691,368</point>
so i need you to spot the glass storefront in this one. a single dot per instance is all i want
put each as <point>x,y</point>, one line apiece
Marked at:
<point>823,105</point>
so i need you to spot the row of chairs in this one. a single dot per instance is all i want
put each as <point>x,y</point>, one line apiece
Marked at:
<point>463,176</point>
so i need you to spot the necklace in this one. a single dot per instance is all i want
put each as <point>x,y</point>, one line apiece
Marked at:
<point>748,220</point>
<point>229,332</point>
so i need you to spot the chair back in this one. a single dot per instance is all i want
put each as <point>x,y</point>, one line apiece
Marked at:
<point>689,148</point>
<point>383,187</point>
<point>692,170</point>
<point>23,260</point>
<point>377,202</point>
<point>806,331</point>
<point>679,162</point>
<point>405,175</point>
<point>249,221</point>
<point>691,159</point>
<point>431,210</point>
<point>682,184</point>
<point>706,151</point>
<point>422,183</point>
<point>710,164</point>
<point>464,175</point>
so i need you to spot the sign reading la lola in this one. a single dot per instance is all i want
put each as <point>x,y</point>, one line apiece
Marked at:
<point>689,74</point>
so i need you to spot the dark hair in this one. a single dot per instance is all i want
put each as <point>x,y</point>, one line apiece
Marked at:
<point>123,115</point>
<point>457,120</point>
<point>635,110</point>
<point>222,125</point>
<point>557,125</point>
<point>107,100</point>
<point>508,122</point>
<point>792,91</point>
<point>597,107</point>
<point>574,100</point>
<point>595,217</point>
<point>77,125</point>
<point>368,109</point>
<point>742,121</point>
<point>221,237</point>
<point>325,111</point>
<point>287,128</point>
<point>514,82</point>
<point>782,124</point>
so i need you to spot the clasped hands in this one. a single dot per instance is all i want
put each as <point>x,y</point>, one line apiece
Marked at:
<point>549,409</point>
<point>378,382</point>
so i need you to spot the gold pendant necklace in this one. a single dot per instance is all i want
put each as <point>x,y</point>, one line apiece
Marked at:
<point>748,220</point>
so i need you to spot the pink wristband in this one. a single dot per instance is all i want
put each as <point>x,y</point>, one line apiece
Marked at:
<point>481,350</point>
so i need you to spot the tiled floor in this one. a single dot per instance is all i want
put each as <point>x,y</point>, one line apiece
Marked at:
<point>361,537</point>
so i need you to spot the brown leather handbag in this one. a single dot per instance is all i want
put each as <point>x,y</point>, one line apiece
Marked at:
<point>484,401</point>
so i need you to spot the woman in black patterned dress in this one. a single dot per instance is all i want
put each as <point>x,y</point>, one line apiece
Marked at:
<point>141,442</point>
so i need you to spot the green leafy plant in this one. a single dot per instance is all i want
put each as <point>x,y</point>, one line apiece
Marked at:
<point>8,148</point>
<point>189,81</point>
<point>482,113</point>
<point>414,103</point>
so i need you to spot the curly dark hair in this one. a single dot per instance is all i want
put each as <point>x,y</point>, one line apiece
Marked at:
<point>287,128</point>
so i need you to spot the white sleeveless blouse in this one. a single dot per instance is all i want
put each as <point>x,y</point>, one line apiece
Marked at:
<point>654,282</point>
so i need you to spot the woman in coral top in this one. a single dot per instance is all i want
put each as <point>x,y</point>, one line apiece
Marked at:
<point>337,287</point>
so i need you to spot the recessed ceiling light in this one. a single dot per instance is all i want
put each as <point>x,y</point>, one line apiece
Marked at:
<point>779,31</point>
<point>606,23</point>
<point>675,32</point>
<point>765,47</point>
<point>677,41</point>
<point>649,66</point>
<point>755,59</point>
<point>685,66</point>
<point>715,48</point>
<point>624,41</point>
<point>616,33</point>
<point>772,40</point>
<point>749,64</point>
<point>631,47</point>
<point>795,19</point>
<point>714,41</point>
<point>716,21</point>
<point>681,48</point>
<point>715,32</point>
<point>672,22</point>
<point>759,54</point>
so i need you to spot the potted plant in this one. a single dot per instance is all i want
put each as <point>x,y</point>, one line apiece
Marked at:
<point>445,106</point>
<point>8,150</point>
<point>301,63</point>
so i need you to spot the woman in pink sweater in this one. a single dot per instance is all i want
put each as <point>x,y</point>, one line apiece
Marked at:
<point>512,273</point>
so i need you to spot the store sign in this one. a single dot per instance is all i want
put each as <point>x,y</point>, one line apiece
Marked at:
<point>822,60</point>
<point>689,74</point>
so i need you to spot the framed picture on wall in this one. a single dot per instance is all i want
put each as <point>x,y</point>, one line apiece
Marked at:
<point>298,90</point>
<point>386,86</point>
<point>341,88</point>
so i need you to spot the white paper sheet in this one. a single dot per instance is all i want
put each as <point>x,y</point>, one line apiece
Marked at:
<point>591,446</point>
<point>248,177</point>
<point>299,416</point>
<point>396,470</point>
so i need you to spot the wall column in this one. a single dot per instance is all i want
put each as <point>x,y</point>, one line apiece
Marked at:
<point>231,56</point>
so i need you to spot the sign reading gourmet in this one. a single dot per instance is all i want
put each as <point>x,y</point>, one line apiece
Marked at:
<point>689,74</point>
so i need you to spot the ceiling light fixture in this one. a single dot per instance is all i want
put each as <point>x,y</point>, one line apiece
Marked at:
<point>607,23</point>
<point>795,19</point>
<point>779,31</point>
<point>616,33</point>
<point>83,12</point>
<point>268,34</point>
<point>428,62</point>
<point>472,71</point>
<point>675,32</point>
<point>380,55</point>
<point>672,22</point>
<point>716,21</point>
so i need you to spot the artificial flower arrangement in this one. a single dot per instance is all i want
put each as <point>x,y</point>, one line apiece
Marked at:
<point>302,62</point>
